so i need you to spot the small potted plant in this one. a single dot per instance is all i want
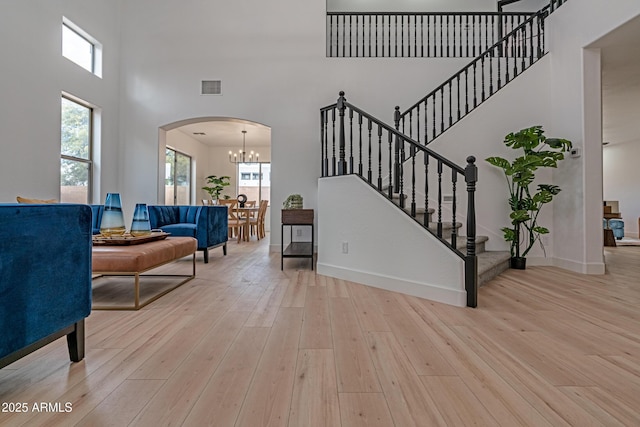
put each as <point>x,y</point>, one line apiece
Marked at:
<point>294,201</point>
<point>525,200</point>
<point>216,185</point>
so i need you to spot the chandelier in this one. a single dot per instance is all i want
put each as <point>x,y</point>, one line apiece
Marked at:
<point>242,156</point>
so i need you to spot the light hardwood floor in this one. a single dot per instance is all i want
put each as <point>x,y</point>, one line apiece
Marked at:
<point>245,344</point>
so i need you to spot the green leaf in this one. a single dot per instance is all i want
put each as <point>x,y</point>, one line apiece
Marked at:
<point>499,162</point>
<point>509,234</point>
<point>540,230</point>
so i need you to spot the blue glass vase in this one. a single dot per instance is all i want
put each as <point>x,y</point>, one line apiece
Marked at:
<point>140,226</point>
<point>112,223</point>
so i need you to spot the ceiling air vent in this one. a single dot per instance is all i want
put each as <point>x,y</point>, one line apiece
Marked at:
<point>211,87</point>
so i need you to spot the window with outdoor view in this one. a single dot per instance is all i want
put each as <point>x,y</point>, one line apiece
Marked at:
<point>76,121</point>
<point>177,178</point>
<point>254,180</point>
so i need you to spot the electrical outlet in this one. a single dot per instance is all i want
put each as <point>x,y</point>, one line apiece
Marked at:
<point>345,247</point>
<point>299,232</point>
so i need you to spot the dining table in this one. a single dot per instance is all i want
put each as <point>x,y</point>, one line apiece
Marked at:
<point>245,213</point>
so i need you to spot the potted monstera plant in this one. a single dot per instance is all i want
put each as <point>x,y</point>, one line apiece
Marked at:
<point>215,186</point>
<point>527,198</point>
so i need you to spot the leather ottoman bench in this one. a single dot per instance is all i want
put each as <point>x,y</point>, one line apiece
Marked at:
<point>133,260</point>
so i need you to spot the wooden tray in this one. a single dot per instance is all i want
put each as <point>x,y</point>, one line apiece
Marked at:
<point>128,239</point>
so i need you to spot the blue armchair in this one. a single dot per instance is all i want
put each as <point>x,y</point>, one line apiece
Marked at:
<point>617,225</point>
<point>45,277</point>
<point>208,224</point>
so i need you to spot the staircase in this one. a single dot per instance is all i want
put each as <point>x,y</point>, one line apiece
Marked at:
<point>398,163</point>
<point>490,263</point>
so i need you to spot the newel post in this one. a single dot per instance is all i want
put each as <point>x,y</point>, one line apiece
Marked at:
<point>342,163</point>
<point>471,260</point>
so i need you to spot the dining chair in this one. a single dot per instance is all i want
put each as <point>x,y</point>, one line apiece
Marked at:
<point>258,222</point>
<point>235,222</point>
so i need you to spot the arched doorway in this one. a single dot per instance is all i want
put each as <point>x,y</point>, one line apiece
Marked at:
<point>208,141</point>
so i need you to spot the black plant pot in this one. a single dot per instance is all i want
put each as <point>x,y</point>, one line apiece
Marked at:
<point>518,263</point>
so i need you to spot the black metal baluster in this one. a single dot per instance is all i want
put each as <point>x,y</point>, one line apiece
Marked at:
<point>450,104</point>
<point>473,34</point>
<point>418,124</point>
<point>343,36</point>
<point>531,54</point>
<point>422,36</point>
<point>454,230</point>
<point>439,228</point>
<point>330,36</point>
<point>441,37</point>
<point>357,43</point>
<point>429,36</point>
<point>395,35</point>
<point>390,186</point>
<point>426,124</point>
<point>425,220</point>
<point>466,27</point>
<point>458,93</point>
<point>333,154</point>
<point>350,140</point>
<point>442,109</point>
<point>434,116</point>
<point>412,153</point>
<point>379,157</point>
<point>369,36</point>
<point>486,33</point>
<point>350,41</point>
<point>475,96</point>
<point>323,143</point>
<point>466,90</point>
<point>499,73</point>
<point>447,32</point>
<point>523,42</point>
<point>398,160</point>
<point>376,17</point>
<point>360,144</point>
<point>415,35</point>
<point>490,56</point>
<point>483,78</point>
<point>401,190</point>
<point>370,171</point>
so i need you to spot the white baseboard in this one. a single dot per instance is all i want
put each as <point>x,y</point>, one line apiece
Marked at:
<point>453,297</point>
<point>580,267</point>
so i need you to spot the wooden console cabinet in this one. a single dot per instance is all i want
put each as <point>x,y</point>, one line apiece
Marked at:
<point>293,218</point>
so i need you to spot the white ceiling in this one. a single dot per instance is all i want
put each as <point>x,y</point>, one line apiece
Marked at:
<point>227,132</point>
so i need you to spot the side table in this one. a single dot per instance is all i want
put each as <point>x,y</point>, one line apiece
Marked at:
<point>292,218</point>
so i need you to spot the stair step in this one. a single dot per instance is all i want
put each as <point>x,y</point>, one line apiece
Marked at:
<point>491,264</point>
<point>461,244</point>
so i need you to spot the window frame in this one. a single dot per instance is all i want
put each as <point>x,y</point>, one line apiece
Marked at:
<point>89,160</point>
<point>190,180</point>
<point>96,47</point>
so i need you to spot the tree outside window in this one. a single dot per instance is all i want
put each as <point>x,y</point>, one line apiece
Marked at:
<point>75,152</point>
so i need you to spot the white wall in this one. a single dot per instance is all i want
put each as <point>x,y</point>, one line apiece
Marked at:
<point>34,75</point>
<point>273,70</point>
<point>576,114</point>
<point>200,161</point>
<point>621,178</point>
<point>400,256</point>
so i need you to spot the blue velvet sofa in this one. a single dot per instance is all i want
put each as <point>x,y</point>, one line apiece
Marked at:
<point>45,277</point>
<point>208,224</point>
